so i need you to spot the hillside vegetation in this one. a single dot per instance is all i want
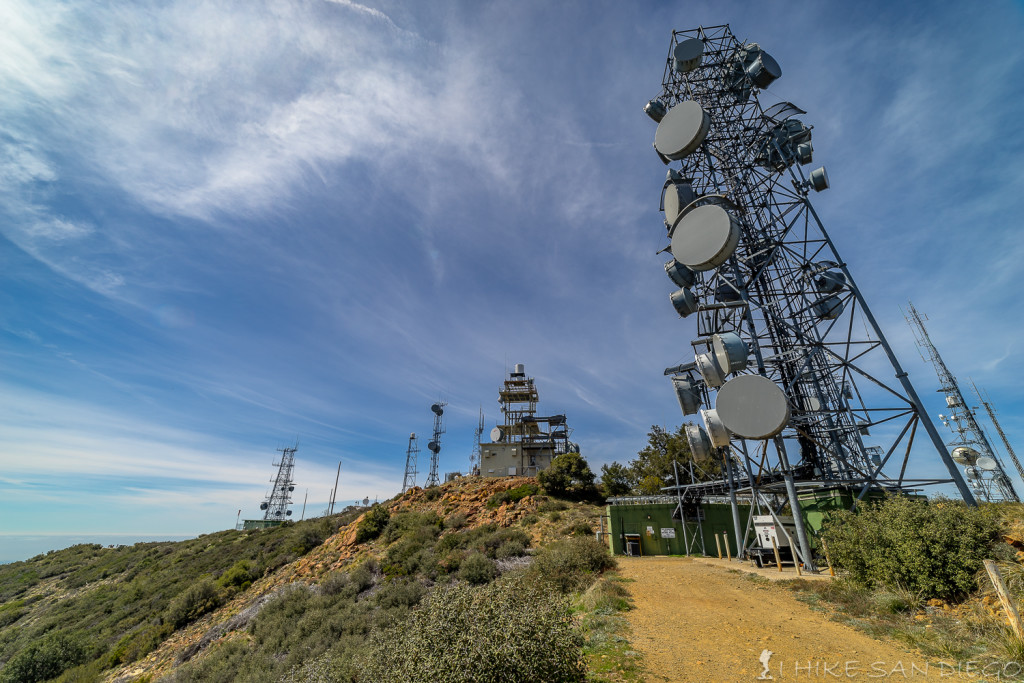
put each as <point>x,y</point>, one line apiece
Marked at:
<point>473,571</point>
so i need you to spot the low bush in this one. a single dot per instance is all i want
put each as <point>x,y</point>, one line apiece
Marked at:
<point>46,659</point>
<point>478,569</point>
<point>572,564</point>
<point>933,549</point>
<point>511,630</point>
<point>510,548</point>
<point>240,576</point>
<point>193,603</point>
<point>496,539</point>
<point>513,495</point>
<point>372,524</point>
<point>578,529</point>
<point>455,521</point>
<point>433,493</point>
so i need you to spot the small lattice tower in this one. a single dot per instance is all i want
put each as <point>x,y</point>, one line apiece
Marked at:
<point>435,443</point>
<point>275,507</point>
<point>411,456</point>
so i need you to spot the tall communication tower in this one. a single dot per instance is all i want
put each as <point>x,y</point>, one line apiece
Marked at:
<point>799,403</point>
<point>476,455</point>
<point>411,455</point>
<point>1002,435</point>
<point>435,443</point>
<point>970,446</point>
<point>275,507</point>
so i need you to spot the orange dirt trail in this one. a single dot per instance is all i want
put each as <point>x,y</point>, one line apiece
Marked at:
<point>698,622</point>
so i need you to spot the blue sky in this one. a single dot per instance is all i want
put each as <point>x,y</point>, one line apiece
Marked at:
<point>228,226</point>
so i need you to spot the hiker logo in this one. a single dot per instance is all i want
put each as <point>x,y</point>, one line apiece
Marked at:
<point>766,656</point>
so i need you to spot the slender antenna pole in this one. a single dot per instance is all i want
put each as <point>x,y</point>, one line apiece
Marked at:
<point>303,516</point>
<point>334,493</point>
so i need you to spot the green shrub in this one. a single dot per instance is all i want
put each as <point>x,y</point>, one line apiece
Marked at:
<point>555,516</point>
<point>193,603</point>
<point>372,524</point>
<point>578,529</point>
<point>496,539</point>
<point>530,520</point>
<point>455,521</point>
<point>513,495</point>
<point>510,548</point>
<point>240,576</point>
<point>606,597</point>
<point>932,549</point>
<point>45,659</point>
<point>433,493</point>
<point>336,583</point>
<point>362,577</point>
<point>11,612</point>
<point>572,564</point>
<point>478,569</point>
<point>400,594</point>
<point>508,631</point>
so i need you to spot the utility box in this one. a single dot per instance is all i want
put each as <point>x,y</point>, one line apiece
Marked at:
<point>771,538</point>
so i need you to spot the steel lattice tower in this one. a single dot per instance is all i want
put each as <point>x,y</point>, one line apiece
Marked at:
<point>411,456</point>
<point>1002,435</point>
<point>435,443</point>
<point>771,296</point>
<point>476,455</point>
<point>970,444</point>
<point>280,497</point>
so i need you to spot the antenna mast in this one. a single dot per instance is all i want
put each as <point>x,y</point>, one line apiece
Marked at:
<point>411,454</point>
<point>435,443</point>
<point>276,505</point>
<point>970,445</point>
<point>476,456</point>
<point>1002,435</point>
<point>788,384</point>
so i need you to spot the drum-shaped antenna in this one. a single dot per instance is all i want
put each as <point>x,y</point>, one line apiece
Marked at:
<point>760,67</point>
<point>434,446</point>
<point>830,281</point>
<point>678,195</point>
<point>655,109</point>
<point>497,435</point>
<point>705,237</point>
<point>687,394</point>
<point>710,370</point>
<point>730,351</point>
<point>686,57</point>
<point>437,408</point>
<point>828,308</point>
<point>972,472</point>
<point>289,513</point>
<point>986,463</point>
<point>263,506</point>
<point>718,433</point>
<point>679,274</point>
<point>697,439</point>
<point>804,153</point>
<point>753,407</point>
<point>819,179</point>
<point>681,130</point>
<point>965,455</point>
<point>684,301</point>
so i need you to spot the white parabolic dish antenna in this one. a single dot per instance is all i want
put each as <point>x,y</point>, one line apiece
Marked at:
<point>705,237</point>
<point>496,434</point>
<point>986,463</point>
<point>753,407</point>
<point>682,130</point>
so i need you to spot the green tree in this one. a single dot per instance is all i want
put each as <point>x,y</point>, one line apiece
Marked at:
<point>652,467</point>
<point>616,480</point>
<point>568,477</point>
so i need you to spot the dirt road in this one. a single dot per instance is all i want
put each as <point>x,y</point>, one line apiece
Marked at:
<point>696,622</point>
